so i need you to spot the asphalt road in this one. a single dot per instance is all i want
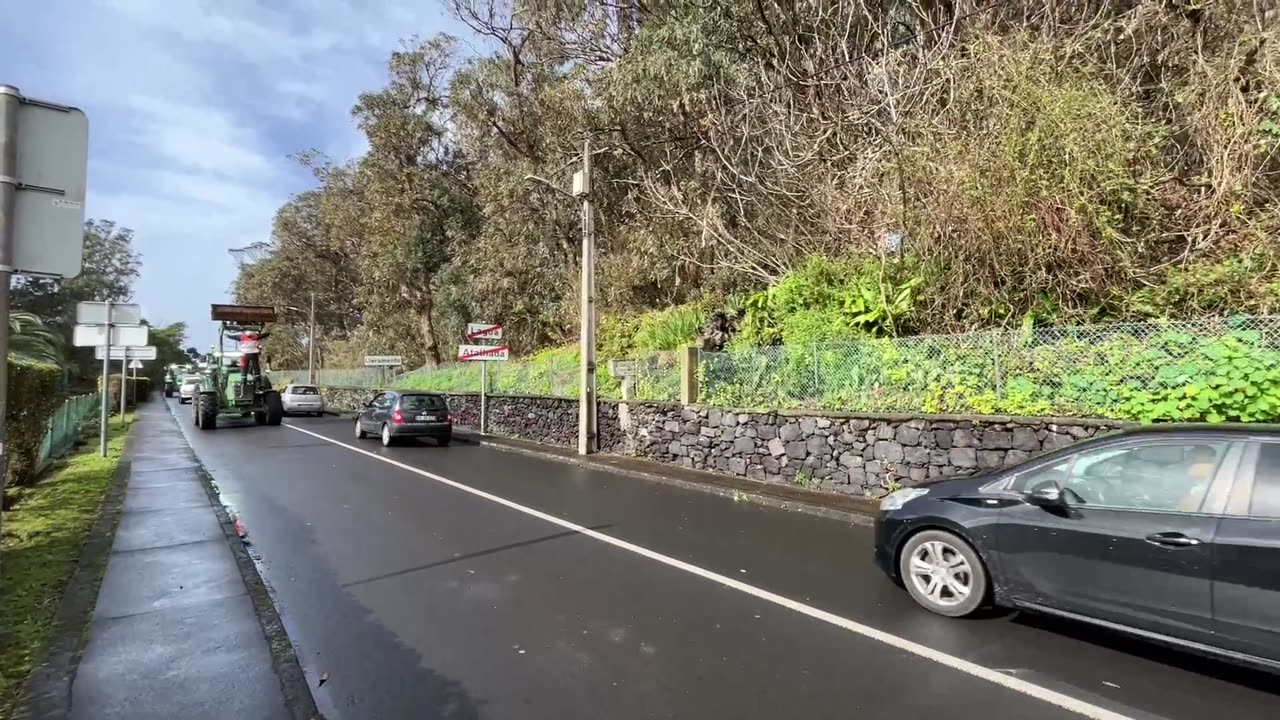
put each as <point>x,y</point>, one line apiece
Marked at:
<point>468,582</point>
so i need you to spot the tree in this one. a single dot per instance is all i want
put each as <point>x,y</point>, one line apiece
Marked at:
<point>109,267</point>
<point>30,339</point>
<point>412,183</point>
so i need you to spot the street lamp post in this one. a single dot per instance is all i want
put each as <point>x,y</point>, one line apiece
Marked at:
<point>311,337</point>
<point>587,311</point>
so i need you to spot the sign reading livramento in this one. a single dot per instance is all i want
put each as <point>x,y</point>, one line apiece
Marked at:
<point>471,353</point>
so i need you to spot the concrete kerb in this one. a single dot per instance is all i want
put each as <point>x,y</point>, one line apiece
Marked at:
<point>293,682</point>
<point>47,692</point>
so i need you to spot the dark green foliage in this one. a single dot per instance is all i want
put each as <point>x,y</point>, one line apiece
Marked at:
<point>33,397</point>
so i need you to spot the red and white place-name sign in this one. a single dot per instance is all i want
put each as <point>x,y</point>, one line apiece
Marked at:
<point>484,331</point>
<point>483,352</point>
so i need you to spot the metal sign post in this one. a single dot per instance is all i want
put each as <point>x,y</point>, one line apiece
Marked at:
<point>112,330</point>
<point>479,332</point>
<point>124,383</point>
<point>106,388</point>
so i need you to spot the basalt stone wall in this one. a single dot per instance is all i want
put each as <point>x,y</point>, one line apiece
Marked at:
<point>846,453</point>
<point>862,454</point>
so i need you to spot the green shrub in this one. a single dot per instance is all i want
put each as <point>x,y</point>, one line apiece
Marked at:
<point>137,390</point>
<point>32,400</point>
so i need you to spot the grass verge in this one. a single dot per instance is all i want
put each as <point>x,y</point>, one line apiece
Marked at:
<point>42,536</point>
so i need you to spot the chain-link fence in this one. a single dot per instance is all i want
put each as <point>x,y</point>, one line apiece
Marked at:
<point>64,426</point>
<point>1188,369</point>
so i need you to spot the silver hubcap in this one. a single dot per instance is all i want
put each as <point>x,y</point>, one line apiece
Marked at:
<point>941,573</point>
<point>386,434</point>
<point>357,427</point>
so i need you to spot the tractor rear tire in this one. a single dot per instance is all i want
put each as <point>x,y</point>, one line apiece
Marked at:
<point>260,417</point>
<point>208,409</point>
<point>275,408</point>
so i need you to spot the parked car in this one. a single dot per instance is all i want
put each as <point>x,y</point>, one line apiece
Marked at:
<point>1171,533</point>
<point>395,415</point>
<point>302,399</point>
<point>190,385</point>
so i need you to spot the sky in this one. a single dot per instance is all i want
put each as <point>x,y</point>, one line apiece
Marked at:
<point>194,107</point>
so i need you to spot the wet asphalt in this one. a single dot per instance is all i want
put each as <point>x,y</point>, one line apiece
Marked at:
<point>413,599</point>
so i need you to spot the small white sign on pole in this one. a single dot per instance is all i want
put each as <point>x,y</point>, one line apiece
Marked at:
<point>484,331</point>
<point>146,352</point>
<point>136,364</point>
<point>121,335</point>
<point>383,361</point>
<point>95,313</point>
<point>474,353</point>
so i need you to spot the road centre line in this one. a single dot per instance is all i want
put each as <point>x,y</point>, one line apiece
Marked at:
<point>1009,682</point>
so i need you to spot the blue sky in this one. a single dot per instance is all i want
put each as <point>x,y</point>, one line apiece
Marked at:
<point>194,107</point>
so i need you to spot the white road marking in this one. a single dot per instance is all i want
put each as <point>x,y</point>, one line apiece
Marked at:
<point>1038,692</point>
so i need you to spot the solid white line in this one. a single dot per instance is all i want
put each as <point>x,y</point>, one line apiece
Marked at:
<point>1007,681</point>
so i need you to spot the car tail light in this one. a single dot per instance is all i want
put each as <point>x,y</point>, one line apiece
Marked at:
<point>397,418</point>
<point>446,418</point>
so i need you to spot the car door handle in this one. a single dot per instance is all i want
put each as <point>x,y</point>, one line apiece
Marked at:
<point>1172,539</point>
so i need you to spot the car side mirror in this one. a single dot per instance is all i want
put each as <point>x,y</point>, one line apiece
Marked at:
<point>1047,495</point>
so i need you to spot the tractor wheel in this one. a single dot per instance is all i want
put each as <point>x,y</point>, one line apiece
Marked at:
<point>260,417</point>
<point>208,409</point>
<point>275,409</point>
<point>195,410</point>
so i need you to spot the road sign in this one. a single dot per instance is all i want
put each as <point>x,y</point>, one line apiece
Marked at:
<point>146,352</point>
<point>48,210</point>
<point>121,335</point>
<point>136,364</point>
<point>383,361</point>
<point>484,331</point>
<point>470,353</point>
<point>623,368</point>
<point>95,313</point>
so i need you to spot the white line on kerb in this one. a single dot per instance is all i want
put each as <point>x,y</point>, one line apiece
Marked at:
<point>1012,683</point>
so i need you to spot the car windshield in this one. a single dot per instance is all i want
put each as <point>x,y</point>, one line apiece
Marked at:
<point>305,390</point>
<point>422,402</point>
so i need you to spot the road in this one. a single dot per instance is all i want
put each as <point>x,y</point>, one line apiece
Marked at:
<point>469,582</point>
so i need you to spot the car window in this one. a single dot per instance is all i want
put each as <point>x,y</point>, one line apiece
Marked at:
<point>304,390</point>
<point>422,402</point>
<point>1055,474</point>
<point>377,400</point>
<point>1171,477</point>
<point>1266,483</point>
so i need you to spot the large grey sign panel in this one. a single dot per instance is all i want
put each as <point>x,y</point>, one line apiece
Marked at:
<point>53,152</point>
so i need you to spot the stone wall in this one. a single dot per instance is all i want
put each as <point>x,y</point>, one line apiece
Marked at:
<point>862,454</point>
<point>847,453</point>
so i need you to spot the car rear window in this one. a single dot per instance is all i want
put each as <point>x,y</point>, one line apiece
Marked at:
<point>305,390</point>
<point>422,402</point>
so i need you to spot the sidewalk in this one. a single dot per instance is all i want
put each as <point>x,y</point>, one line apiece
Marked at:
<point>174,633</point>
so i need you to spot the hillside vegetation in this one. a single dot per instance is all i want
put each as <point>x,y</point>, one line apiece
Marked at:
<point>814,169</point>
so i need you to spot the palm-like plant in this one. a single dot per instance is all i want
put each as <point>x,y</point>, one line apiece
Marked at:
<point>30,339</point>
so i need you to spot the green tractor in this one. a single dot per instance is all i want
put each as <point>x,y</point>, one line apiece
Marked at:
<point>234,382</point>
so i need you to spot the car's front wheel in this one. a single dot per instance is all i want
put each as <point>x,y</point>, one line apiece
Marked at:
<point>360,433</point>
<point>943,573</point>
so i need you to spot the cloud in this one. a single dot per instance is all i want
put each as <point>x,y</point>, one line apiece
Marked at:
<point>194,108</point>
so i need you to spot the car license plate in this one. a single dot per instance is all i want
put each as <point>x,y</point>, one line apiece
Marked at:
<point>426,418</point>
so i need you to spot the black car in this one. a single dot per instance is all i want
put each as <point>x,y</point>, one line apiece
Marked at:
<point>395,415</point>
<point>1168,532</point>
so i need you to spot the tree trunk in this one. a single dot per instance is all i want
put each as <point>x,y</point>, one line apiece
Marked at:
<point>430,343</point>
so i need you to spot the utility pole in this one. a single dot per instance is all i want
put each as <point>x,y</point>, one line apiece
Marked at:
<point>10,99</point>
<point>311,342</point>
<point>587,352</point>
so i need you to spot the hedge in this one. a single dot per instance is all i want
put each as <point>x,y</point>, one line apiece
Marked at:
<point>33,398</point>
<point>139,390</point>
